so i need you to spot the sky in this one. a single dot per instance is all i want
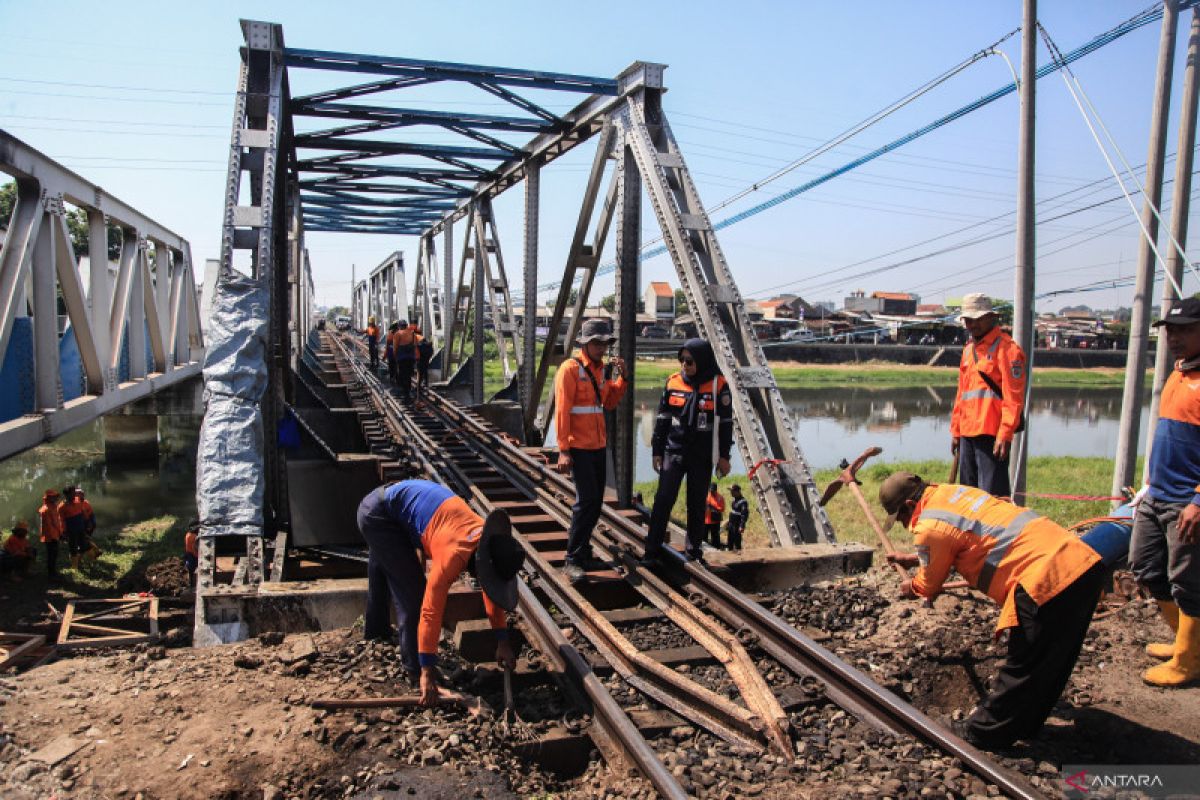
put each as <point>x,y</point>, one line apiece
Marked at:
<point>138,97</point>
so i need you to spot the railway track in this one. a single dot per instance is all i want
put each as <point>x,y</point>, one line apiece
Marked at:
<point>737,639</point>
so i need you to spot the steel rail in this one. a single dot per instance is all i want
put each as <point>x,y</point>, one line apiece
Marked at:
<point>615,725</point>
<point>702,706</point>
<point>846,686</point>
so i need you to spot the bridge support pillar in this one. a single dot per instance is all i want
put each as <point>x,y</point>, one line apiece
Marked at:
<point>130,438</point>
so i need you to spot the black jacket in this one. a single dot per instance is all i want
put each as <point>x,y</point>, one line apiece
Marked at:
<point>691,409</point>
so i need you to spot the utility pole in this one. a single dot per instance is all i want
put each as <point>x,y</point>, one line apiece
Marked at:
<point>1184,158</point>
<point>1023,329</point>
<point>1139,324</point>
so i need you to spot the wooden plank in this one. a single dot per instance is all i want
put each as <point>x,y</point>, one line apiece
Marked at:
<point>101,630</point>
<point>128,605</point>
<point>10,656</point>
<point>109,641</point>
<point>64,630</point>
<point>154,617</point>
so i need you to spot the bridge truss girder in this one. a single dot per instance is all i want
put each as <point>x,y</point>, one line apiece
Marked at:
<point>152,302</point>
<point>354,184</point>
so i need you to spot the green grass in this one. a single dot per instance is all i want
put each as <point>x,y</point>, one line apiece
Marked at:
<point>871,375</point>
<point>1049,475</point>
<point>129,550</point>
<point>790,375</point>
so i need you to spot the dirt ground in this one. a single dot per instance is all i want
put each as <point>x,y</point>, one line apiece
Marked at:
<point>235,721</point>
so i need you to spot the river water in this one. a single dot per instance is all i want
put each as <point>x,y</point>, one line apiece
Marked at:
<point>120,493</point>
<point>834,423</point>
<point>914,423</point>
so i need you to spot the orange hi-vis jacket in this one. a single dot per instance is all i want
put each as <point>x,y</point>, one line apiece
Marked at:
<point>714,508</point>
<point>449,539</point>
<point>995,545</point>
<point>191,544</point>
<point>52,522</point>
<point>373,332</point>
<point>404,343</point>
<point>16,546</point>
<point>578,410</point>
<point>978,410</point>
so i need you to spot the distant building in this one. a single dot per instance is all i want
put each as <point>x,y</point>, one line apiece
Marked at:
<point>660,301</point>
<point>882,302</point>
<point>778,308</point>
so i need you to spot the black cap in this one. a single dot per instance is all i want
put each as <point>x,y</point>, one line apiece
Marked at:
<point>1181,312</point>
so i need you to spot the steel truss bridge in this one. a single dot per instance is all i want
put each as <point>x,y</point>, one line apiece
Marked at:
<point>369,173</point>
<point>131,327</point>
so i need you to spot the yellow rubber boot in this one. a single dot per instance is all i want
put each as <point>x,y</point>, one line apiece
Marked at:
<point>1170,615</point>
<point>1184,666</point>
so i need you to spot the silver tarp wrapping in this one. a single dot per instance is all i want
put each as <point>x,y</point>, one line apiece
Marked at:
<point>229,475</point>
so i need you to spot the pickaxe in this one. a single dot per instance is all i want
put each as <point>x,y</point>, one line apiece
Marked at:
<point>849,477</point>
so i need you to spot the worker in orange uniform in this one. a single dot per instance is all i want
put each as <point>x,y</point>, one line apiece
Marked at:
<point>191,550</point>
<point>583,391</point>
<point>51,525</point>
<point>693,435</point>
<point>1164,552</point>
<point>404,518</point>
<point>714,511</point>
<point>404,350</point>
<point>424,356</point>
<point>1046,580</point>
<point>74,518</point>
<point>89,526</point>
<point>373,343</point>
<point>990,404</point>
<point>18,552</point>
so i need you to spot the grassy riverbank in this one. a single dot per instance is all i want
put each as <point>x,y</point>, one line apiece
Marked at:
<point>1047,475</point>
<point>791,375</point>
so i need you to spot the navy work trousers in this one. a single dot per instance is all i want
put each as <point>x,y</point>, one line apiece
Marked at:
<point>589,470</point>
<point>393,572</point>
<point>677,467</point>
<point>979,468</point>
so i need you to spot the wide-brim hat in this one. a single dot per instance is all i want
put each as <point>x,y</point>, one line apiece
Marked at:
<point>975,306</point>
<point>896,490</point>
<point>21,525</point>
<point>498,560</point>
<point>595,330</point>
<point>1181,312</point>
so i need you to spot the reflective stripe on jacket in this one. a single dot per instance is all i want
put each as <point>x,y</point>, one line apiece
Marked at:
<point>978,410</point>
<point>995,545</point>
<point>672,433</point>
<point>578,411</point>
<point>1175,453</point>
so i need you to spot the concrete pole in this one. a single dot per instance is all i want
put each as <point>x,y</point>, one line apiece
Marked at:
<point>533,181</point>
<point>629,243</point>
<point>1139,325</point>
<point>353,299</point>
<point>1025,266</point>
<point>1184,159</point>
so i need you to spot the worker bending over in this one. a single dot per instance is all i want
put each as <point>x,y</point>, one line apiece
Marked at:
<point>1165,551</point>
<point>18,553</point>
<point>401,519</point>
<point>1046,580</point>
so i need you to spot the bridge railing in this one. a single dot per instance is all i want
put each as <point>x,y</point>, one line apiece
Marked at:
<point>129,332</point>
